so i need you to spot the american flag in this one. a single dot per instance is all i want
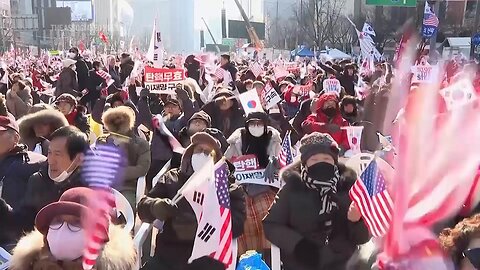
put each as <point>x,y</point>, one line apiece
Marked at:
<point>224,251</point>
<point>256,69</point>
<point>219,73</point>
<point>100,169</point>
<point>371,196</point>
<point>286,157</point>
<point>429,18</point>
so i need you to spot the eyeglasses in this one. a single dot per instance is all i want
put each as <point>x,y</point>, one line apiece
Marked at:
<point>473,255</point>
<point>72,226</point>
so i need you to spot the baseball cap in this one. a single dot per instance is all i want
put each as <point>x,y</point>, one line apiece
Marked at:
<point>8,122</point>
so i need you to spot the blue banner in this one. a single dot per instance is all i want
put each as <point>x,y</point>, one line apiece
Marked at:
<point>428,31</point>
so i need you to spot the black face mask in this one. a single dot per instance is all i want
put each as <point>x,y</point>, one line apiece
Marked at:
<point>321,171</point>
<point>352,114</point>
<point>330,112</point>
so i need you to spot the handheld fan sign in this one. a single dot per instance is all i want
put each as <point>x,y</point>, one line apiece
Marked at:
<point>101,168</point>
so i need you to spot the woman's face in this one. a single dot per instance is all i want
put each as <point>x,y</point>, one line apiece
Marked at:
<point>471,260</point>
<point>320,157</point>
<point>42,130</point>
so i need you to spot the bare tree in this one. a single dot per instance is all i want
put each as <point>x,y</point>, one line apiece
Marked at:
<point>322,23</point>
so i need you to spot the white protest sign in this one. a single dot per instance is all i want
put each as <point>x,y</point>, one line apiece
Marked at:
<point>332,85</point>
<point>354,134</point>
<point>250,101</point>
<point>424,74</point>
<point>458,94</point>
<point>271,96</point>
<point>248,171</point>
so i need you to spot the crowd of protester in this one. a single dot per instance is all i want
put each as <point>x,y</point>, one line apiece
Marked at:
<point>46,130</point>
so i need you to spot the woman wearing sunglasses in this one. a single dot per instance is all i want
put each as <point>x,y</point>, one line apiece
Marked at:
<point>462,243</point>
<point>59,240</point>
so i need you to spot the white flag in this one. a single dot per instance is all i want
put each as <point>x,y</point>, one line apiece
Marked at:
<point>251,102</point>
<point>155,50</point>
<point>196,187</point>
<point>368,29</point>
<point>209,227</point>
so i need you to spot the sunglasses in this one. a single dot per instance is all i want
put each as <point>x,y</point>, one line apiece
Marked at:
<point>473,255</point>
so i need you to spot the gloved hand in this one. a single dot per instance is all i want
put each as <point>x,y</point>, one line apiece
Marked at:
<point>333,128</point>
<point>163,209</point>
<point>181,93</point>
<point>271,171</point>
<point>307,252</point>
<point>144,92</point>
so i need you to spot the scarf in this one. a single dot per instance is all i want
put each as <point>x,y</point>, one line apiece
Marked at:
<point>325,189</point>
<point>71,116</point>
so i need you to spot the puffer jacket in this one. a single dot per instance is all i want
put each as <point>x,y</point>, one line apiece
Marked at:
<point>67,83</point>
<point>174,245</point>
<point>31,253</point>
<point>294,216</point>
<point>18,104</point>
<point>322,123</point>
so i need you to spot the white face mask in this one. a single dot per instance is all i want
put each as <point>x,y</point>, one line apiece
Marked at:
<point>63,176</point>
<point>256,131</point>
<point>71,55</point>
<point>199,160</point>
<point>57,240</point>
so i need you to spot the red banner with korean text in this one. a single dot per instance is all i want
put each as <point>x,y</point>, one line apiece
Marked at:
<point>163,80</point>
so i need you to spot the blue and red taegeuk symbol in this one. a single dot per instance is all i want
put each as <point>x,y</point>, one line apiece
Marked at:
<point>251,104</point>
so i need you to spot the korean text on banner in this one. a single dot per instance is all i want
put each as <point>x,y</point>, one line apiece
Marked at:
<point>271,96</point>
<point>332,85</point>
<point>248,171</point>
<point>163,80</point>
<point>250,101</point>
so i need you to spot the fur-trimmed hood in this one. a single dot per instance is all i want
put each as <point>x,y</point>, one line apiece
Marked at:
<point>348,176</point>
<point>48,116</point>
<point>118,254</point>
<point>119,120</point>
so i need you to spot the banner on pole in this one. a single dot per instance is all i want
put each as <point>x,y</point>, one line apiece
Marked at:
<point>248,171</point>
<point>163,80</point>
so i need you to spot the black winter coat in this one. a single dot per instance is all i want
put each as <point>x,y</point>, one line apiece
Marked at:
<point>174,245</point>
<point>40,191</point>
<point>294,216</point>
<point>82,73</point>
<point>15,170</point>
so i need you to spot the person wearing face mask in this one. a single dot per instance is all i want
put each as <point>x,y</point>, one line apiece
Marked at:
<point>76,114</point>
<point>81,68</point>
<point>263,141</point>
<point>174,245</point>
<point>313,221</point>
<point>349,110</point>
<point>67,80</point>
<point>119,123</point>
<point>225,112</point>
<point>60,173</point>
<point>328,119</point>
<point>201,121</point>
<point>58,243</point>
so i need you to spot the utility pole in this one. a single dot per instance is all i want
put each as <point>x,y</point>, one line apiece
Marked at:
<point>433,39</point>
<point>475,29</point>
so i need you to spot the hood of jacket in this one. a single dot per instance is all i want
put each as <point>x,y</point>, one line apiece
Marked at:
<point>119,120</point>
<point>49,116</point>
<point>118,254</point>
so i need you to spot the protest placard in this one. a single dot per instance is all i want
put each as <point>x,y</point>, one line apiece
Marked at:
<point>424,74</point>
<point>248,171</point>
<point>163,80</point>
<point>332,85</point>
<point>270,96</point>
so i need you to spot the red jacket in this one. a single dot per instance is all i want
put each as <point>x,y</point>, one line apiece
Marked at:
<point>320,122</point>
